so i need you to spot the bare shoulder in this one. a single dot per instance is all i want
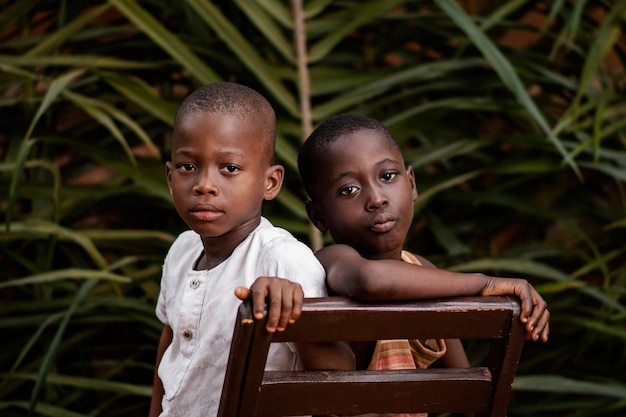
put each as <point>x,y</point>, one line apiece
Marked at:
<point>343,265</point>
<point>336,254</point>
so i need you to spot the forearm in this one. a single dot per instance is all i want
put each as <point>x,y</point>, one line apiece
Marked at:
<point>157,385</point>
<point>455,356</point>
<point>393,280</point>
<point>326,356</point>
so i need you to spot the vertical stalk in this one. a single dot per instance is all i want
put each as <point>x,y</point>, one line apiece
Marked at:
<point>305,94</point>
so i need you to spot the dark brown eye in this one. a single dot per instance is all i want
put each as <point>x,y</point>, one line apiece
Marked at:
<point>231,169</point>
<point>187,167</point>
<point>350,189</point>
<point>388,176</point>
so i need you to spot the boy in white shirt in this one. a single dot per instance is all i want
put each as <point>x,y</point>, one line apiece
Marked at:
<point>221,171</point>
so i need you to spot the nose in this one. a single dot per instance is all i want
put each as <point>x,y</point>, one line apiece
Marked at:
<point>376,199</point>
<point>206,184</point>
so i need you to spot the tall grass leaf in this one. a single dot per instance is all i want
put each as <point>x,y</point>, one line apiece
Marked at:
<point>270,30</point>
<point>48,319</point>
<point>171,44</point>
<point>572,116</point>
<point>598,262</point>
<point>613,128</point>
<point>150,177</point>
<point>315,7</point>
<point>56,39</point>
<point>497,17</point>
<point>605,38</point>
<point>505,71</point>
<point>64,274</point>
<point>615,331</point>
<point>327,80</point>
<point>108,235</point>
<point>15,12</point>
<point>458,103</point>
<point>527,267</point>
<point>99,110</point>
<point>85,61</point>
<point>564,385</point>
<point>286,152</point>
<point>41,229</point>
<point>428,193</point>
<point>122,117</point>
<point>56,88</point>
<point>278,11</point>
<point>536,269</point>
<point>245,52</point>
<point>42,409</point>
<point>142,94</point>
<point>445,236</point>
<point>388,81</point>
<point>555,7</point>
<point>292,203</point>
<point>618,173</point>
<point>567,34</point>
<point>18,168</point>
<point>501,13</point>
<point>97,384</point>
<point>557,287</point>
<point>444,151</point>
<point>526,167</point>
<point>39,163</point>
<point>360,14</point>
<point>616,224</point>
<point>50,354</point>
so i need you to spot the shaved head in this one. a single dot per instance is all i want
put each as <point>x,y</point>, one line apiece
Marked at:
<point>235,100</point>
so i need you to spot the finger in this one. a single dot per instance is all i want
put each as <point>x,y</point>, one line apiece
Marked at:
<point>259,292</point>
<point>527,303</point>
<point>296,309</point>
<point>538,319</point>
<point>542,330</point>
<point>286,306</point>
<point>545,333</point>
<point>242,293</point>
<point>273,310</point>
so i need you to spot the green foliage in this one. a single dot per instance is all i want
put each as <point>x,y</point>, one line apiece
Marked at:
<point>512,114</point>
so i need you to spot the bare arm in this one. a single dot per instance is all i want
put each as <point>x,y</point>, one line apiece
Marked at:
<point>349,274</point>
<point>157,386</point>
<point>326,356</point>
<point>455,356</point>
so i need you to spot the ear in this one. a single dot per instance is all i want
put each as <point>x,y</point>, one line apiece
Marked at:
<point>316,215</point>
<point>411,175</point>
<point>168,174</point>
<point>273,181</point>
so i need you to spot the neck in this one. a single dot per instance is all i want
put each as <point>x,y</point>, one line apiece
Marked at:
<point>395,254</point>
<point>217,249</point>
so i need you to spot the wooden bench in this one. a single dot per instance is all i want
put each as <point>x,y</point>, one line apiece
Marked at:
<point>484,390</point>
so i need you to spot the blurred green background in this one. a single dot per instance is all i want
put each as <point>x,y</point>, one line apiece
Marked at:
<point>513,114</point>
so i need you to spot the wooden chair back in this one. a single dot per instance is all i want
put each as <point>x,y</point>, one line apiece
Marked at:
<point>483,390</point>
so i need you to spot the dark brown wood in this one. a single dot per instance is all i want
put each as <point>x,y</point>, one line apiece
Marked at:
<point>484,390</point>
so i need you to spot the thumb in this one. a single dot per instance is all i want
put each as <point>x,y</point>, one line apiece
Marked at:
<point>242,293</point>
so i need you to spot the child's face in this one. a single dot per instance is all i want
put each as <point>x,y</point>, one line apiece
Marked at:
<point>220,174</point>
<point>364,195</point>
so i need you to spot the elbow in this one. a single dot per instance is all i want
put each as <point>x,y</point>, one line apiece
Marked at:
<point>362,282</point>
<point>367,288</point>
